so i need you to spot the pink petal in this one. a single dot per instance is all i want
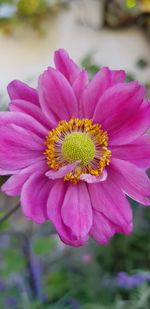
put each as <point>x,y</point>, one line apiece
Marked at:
<point>118,104</point>
<point>93,179</point>
<point>66,65</point>
<point>34,196</point>
<point>73,241</point>
<point>24,121</point>
<point>132,128</point>
<point>57,98</point>
<point>30,109</point>
<point>19,147</point>
<point>117,76</point>
<point>76,210</point>
<point>63,171</point>
<point>54,205</point>
<point>104,79</point>
<point>133,180</point>
<point>102,229</point>
<point>137,152</point>
<point>20,90</point>
<point>55,201</point>
<point>13,185</point>
<point>80,84</point>
<point>8,172</point>
<point>108,199</point>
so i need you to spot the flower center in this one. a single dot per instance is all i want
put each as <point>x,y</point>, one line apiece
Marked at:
<point>78,146</point>
<point>78,140</point>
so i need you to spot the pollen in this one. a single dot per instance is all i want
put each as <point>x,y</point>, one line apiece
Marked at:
<point>78,140</point>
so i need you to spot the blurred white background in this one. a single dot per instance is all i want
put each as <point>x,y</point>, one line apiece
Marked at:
<point>25,54</point>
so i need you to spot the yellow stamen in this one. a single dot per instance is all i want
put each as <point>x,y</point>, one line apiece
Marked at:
<point>78,139</point>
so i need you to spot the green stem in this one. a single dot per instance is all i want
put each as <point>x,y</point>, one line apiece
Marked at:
<point>9,213</point>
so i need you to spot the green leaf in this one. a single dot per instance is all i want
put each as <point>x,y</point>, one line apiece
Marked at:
<point>43,245</point>
<point>12,261</point>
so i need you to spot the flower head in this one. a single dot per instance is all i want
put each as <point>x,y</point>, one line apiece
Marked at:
<point>75,148</point>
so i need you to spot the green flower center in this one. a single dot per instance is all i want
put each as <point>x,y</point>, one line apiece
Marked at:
<point>78,146</point>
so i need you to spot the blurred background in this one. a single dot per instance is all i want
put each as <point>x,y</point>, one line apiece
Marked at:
<point>36,270</point>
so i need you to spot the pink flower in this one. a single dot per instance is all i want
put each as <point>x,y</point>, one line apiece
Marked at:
<point>87,258</point>
<point>75,148</point>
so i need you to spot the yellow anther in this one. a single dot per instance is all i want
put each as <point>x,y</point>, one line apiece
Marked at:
<point>78,139</point>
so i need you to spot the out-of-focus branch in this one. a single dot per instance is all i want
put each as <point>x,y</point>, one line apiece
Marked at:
<point>9,213</point>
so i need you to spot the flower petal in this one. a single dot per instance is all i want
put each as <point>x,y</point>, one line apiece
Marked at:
<point>63,171</point>
<point>132,128</point>
<point>24,121</point>
<point>19,90</point>
<point>102,229</point>
<point>57,98</point>
<point>8,172</point>
<point>108,199</point>
<point>76,210</point>
<point>72,241</point>
<point>104,79</point>
<point>66,65</point>
<point>117,76</point>
<point>137,152</point>
<point>14,184</point>
<point>118,104</point>
<point>34,196</point>
<point>19,147</point>
<point>54,205</point>
<point>80,84</point>
<point>30,109</point>
<point>133,180</point>
<point>93,179</point>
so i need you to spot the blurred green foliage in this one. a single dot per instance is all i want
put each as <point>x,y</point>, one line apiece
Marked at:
<point>142,63</point>
<point>42,246</point>
<point>12,262</point>
<point>66,274</point>
<point>32,12</point>
<point>32,7</point>
<point>89,64</point>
